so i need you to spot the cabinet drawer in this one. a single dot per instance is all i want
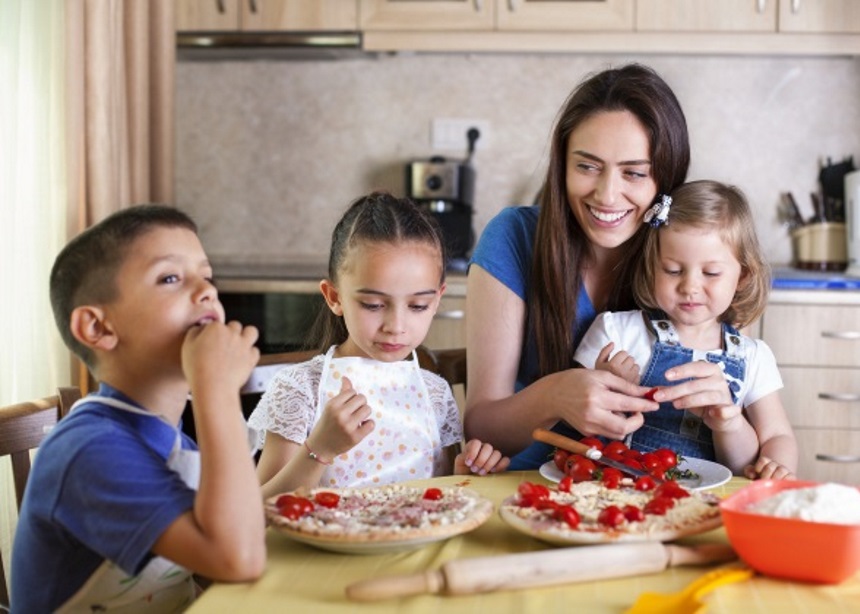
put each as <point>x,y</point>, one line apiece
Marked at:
<point>829,455</point>
<point>822,398</point>
<point>817,335</point>
<point>449,325</point>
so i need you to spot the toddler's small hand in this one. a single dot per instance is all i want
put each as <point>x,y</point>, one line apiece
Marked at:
<point>621,364</point>
<point>480,458</point>
<point>767,469</point>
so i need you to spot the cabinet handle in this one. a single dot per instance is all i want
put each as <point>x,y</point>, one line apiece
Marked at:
<point>221,8</point>
<point>454,314</point>
<point>848,335</point>
<point>846,397</point>
<point>512,6</point>
<point>795,6</point>
<point>478,5</point>
<point>253,5</point>
<point>837,458</point>
<point>761,5</point>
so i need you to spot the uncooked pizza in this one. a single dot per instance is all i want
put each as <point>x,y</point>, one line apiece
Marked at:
<point>591,512</point>
<point>394,514</point>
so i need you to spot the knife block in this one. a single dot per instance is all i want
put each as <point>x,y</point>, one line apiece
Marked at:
<point>820,247</point>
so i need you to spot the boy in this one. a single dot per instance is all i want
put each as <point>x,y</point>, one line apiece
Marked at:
<point>120,506</point>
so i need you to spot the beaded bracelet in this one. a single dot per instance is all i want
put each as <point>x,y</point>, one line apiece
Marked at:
<point>313,455</point>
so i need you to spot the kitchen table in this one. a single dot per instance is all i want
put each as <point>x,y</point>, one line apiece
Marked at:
<point>301,579</point>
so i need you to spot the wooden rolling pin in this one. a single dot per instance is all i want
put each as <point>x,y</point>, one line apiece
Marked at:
<point>543,568</point>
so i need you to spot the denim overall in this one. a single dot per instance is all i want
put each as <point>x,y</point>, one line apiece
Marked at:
<point>677,429</point>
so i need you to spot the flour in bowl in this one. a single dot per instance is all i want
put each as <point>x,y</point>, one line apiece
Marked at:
<point>831,503</point>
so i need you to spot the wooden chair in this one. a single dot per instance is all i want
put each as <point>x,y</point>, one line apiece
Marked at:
<point>450,364</point>
<point>23,426</point>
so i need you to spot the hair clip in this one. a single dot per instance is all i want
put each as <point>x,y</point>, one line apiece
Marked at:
<point>658,214</point>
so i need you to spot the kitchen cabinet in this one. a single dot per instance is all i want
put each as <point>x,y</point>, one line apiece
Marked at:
<point>817,16</point>
<point>565,15</point>
<point>706,16</point>
<point>446,15</point>
<point>816,342</point>
<point>271,15</point>
<point>449,325</point>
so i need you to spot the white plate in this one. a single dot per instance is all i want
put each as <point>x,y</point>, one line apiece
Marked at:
<point>711,474</point>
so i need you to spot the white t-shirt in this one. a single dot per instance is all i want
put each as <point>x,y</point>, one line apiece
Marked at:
<point>630,332</point>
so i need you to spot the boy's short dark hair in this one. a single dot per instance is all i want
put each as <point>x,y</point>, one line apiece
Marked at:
<point>84,272</point>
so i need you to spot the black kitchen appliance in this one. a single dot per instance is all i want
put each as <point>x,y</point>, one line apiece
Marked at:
<point>447,189</point>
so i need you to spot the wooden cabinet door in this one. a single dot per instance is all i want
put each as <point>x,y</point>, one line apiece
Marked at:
<point>813,335</point>
<point>821,397</point>
<point>706,16</point>
<point>566,15</point>
<point>833,16</point>
<point>828,455</point>
<point>299,15</point>
<point>424,15</point>
<point>207,15</point>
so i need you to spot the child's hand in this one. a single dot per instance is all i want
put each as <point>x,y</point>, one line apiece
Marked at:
<point>622,364</point>
<point>480,458</point>
<point>344,422</point>
<point>767,469</point>
<point>218,353</point>
<point>722,419</point>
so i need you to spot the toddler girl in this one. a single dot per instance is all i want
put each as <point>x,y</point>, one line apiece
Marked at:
<point>364,413</point>
<point>700,278</point>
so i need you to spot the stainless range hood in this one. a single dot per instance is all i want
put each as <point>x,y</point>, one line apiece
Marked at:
<point>268,45</point>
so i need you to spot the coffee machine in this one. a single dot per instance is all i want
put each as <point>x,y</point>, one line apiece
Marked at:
<point>447,189</point>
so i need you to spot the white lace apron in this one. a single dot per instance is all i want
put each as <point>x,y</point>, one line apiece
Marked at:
<point>162,586</point>
<point>405,443</point>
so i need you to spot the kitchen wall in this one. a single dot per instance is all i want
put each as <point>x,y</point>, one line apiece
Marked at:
<point>269,153</point>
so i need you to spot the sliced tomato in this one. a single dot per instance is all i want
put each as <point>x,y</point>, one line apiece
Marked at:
<point>568,514</point>
<point>633,513</point>
<point>659,506</point>
<point>645,483</point>
<point>650,394</point>
<point>634,454</point>
<point>535,491</point>
<point>432,494</point>
<point>565,483</point>
<point>293,507</point>
<point>611,477</point>
<point>331,499</point>
<point>671,490</point>
<point>611,516</point>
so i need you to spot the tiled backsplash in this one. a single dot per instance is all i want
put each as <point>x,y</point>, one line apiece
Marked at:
<point>269,153</point>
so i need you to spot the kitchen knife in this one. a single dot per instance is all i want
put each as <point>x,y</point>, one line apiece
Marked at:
<point>572,445</point>
<point>541,568</point>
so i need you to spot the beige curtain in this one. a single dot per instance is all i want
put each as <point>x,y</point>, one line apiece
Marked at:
<point>120,58</point>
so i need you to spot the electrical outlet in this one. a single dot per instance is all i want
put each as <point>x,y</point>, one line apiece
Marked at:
<point>450,133</point>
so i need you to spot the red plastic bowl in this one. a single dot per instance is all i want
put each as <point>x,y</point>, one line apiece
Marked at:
<point>787,547</point>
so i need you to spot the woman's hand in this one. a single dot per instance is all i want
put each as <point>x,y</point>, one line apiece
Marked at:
<point>344,423</point>
<point>597,402</point>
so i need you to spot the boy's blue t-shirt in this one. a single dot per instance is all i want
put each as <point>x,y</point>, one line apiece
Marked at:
<point>505,250</point>
<point>99,489</point>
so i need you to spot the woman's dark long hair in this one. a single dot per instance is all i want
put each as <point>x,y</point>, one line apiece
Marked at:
<point>377,217</point>
<point>561,247</point>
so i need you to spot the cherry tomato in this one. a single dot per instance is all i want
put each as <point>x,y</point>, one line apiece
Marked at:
<point>611,516</point>
<point>330,499</point>
<point>671,490</point>
<point>659,506</point>
<point>431,494</point>
<point>567,514</point>
<point>546,504</point>
<point>559,457</point>
<point>650,394</point>
<point>633,513</point>
<point>532,492</point>
<point>634,454</point>
<point>592,442</point>
<point>611,477</point>
<point>630,462</point>
<point>581,469</point>
<point>293,507</point>
<point>645,483</point>
<point>669,458</point>
<point>565,483</point>
<point>615,450</point>
<point>651,461</point>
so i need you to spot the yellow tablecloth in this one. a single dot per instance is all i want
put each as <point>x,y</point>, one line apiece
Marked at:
<point>302,579</point>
